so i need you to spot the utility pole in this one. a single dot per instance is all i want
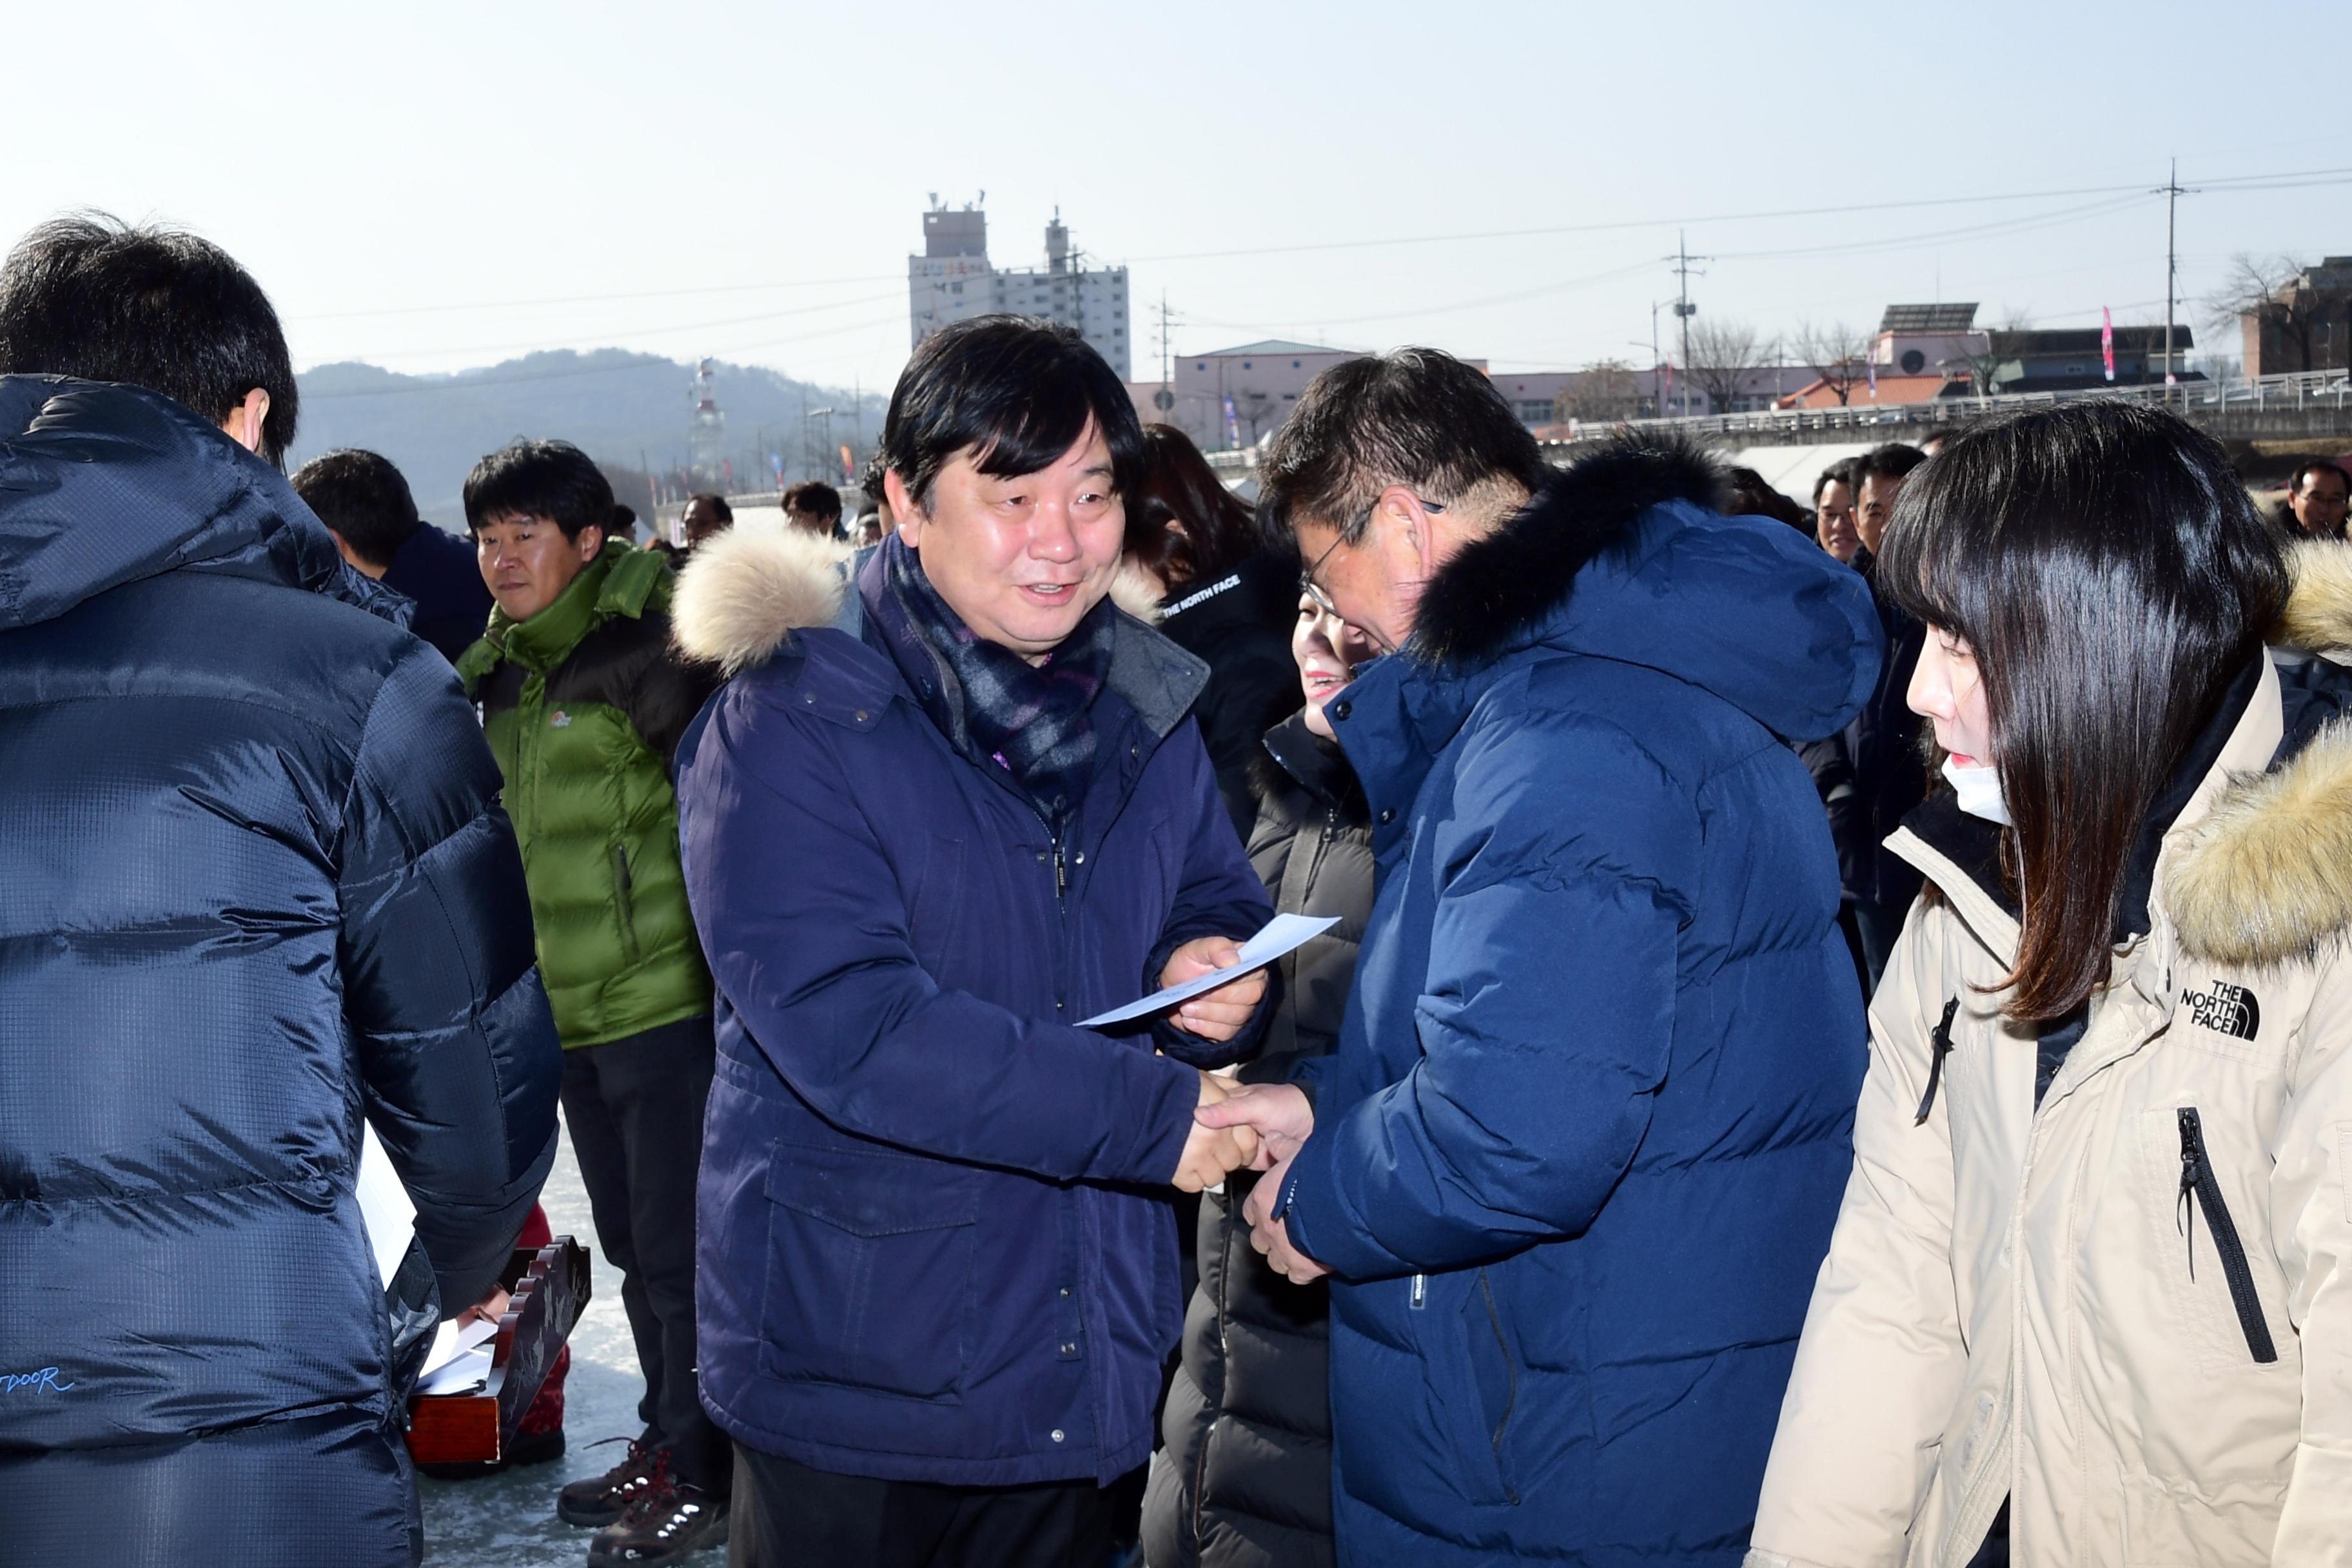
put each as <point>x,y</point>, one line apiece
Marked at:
<point>2171,192</point>
<point>1167,376</point>
<point>1682,259</point>
<point>1656,403</point>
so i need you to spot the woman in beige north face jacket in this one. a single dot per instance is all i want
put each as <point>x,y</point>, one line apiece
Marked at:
<point>2088,1300</point>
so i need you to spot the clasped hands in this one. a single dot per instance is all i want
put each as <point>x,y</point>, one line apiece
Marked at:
<point>1235,1125</point>
<point>1261,1125</point>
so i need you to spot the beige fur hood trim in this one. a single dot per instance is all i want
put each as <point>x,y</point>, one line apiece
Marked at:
<point>743,594</point>
<point>2265,877</point>
<point>1132,592</point>
<point>2319,611</point>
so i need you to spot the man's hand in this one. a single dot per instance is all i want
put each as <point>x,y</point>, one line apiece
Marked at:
<point>1280,1113</point>
<point>1218,1015</point>
<point>1272,1236</point>
<point>490,1309</point>
<point>1211,1153</point>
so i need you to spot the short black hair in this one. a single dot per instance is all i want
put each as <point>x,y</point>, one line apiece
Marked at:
<point>1411,417</point>
<point>1752,495</point>
<point>92,297</point>
<point>1016,392</point>
<point>2309,467</point>
<point>815,498</point>
<point>553,479</point>
<point>716,502</point>
<point>1838,473</point>
<point>1893,462</point>
<point>363,499</point>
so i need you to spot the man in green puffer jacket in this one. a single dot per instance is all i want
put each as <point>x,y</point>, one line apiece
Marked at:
<point>584,701</point>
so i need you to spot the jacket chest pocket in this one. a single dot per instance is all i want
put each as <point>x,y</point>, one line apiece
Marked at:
<point>625,902</point>
<point>937,895</point>
<point>870,1261</point>
<point>1453,1436</point>
<point>2207,1236</point>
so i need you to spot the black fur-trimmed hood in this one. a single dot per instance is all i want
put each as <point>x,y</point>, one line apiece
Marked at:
<point>1500,588</point>
<point>1625,556</point>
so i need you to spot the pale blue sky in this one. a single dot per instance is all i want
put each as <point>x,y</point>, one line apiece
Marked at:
<point>415,185</point>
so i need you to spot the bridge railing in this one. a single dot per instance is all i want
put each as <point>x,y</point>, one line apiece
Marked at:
<point>2330,389</point>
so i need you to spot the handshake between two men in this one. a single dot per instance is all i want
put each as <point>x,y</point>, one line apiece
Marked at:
<point>1257,1126</point>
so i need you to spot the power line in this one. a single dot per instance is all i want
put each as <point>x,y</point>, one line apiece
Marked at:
<point>1888,243</point>
<point>2295,179</point>
<point>2338,177</point>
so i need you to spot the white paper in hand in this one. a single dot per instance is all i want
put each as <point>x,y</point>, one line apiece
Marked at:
<point>385,1206</point>
<point>1280,935</point>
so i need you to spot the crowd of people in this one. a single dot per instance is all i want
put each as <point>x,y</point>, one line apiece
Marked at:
<point>1828,1047</point>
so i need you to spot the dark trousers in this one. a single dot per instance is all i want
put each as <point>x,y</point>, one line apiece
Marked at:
<point>790,1516</point>
<point>634,1109</point>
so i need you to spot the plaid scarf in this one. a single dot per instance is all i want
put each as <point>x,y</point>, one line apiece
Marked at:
<point>1037,721</point>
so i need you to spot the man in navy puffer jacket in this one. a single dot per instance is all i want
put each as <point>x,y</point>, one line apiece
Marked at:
<point>945,809</point>
<point>256,887</point>
<point>1577,1157</point>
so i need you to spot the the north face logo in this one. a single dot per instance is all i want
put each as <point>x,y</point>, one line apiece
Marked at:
<point>2225,1009</point>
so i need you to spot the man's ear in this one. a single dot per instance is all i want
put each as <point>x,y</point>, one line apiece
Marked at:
<point>1402,512</point>
<point>903,508</point>
<point>590,542</point>
<point>246,421</point>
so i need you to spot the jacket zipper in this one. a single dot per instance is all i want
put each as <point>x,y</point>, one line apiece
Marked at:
<point>625,891</point>
<point>1939,1047</point>
<point>2199,1189</point>
<point>1224,1373</point>
<point>1495,1321</point>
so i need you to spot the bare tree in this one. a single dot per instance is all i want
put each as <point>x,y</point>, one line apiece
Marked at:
<point>1838,354</point>
<point>1982,364</point>
<point>1603,392</point>
<point>2269,288</point>
<point>1723,354</point>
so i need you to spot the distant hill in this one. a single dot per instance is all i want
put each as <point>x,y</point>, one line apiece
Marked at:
<point>629,411</point>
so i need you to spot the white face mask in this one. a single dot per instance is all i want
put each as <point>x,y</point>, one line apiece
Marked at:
<point>1979,790</point>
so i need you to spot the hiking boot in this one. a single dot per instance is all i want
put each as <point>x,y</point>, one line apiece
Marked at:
<point>527,1449</point>
<point>668,1523</point>
<point>602,1500</point>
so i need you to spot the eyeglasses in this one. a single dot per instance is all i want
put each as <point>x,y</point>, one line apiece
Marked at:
<point>1312,589</point>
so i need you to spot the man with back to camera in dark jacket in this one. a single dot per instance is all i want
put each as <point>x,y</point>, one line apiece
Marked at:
<point>1576,1159</point>
<point>949,805</point>
<point>257,888</point>
<point>366,505</point>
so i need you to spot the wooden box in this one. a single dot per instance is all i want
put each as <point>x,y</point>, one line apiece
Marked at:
<point>549,1290</point>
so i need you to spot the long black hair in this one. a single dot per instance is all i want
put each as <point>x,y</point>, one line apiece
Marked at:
<point>2112,576</point>
<point>1218,532</point>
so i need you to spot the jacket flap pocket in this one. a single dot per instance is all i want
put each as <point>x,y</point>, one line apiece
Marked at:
<point>871,1191</point>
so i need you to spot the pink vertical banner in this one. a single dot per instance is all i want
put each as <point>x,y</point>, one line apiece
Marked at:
<point>2107,340</point>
